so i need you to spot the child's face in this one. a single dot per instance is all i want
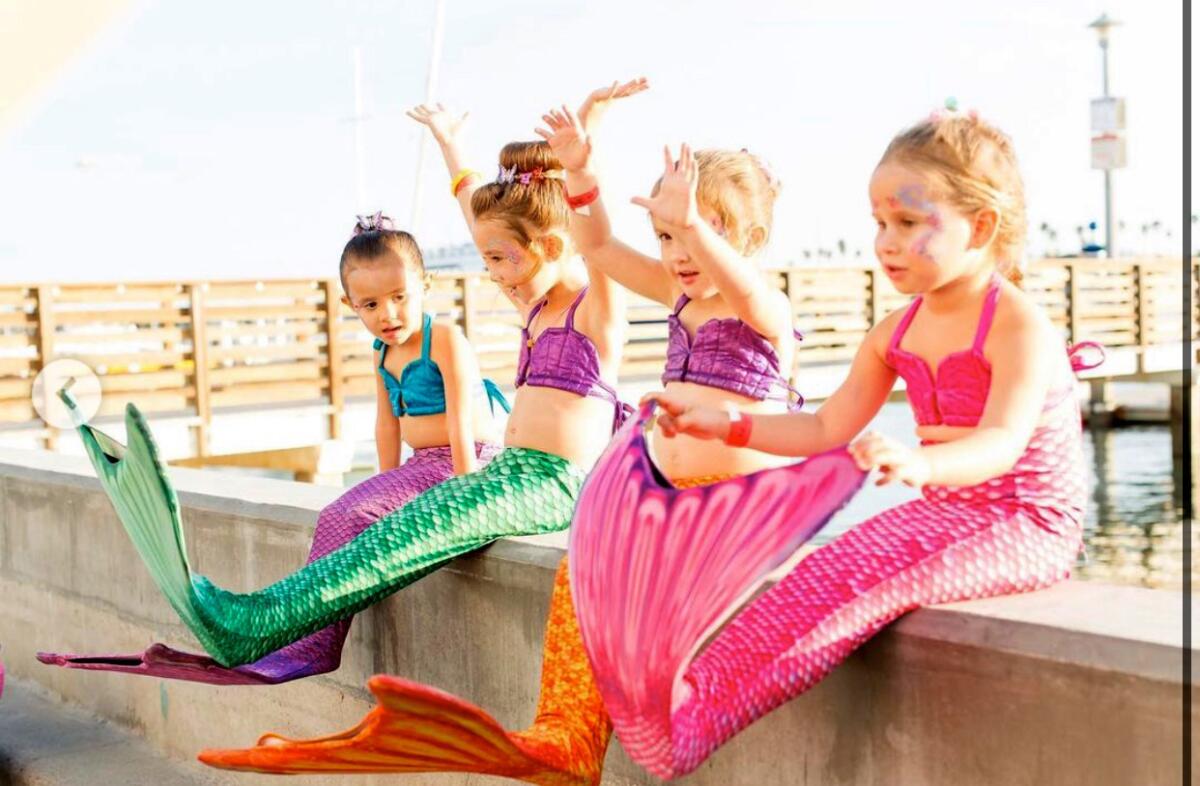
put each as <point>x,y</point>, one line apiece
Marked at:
<point>387,295</point>
<point>922,241</point>
<point>513,266</point>
<point>686,274</point>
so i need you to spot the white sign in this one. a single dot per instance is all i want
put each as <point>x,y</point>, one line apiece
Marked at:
<point>1108,115</point>
<point>1108,151</point>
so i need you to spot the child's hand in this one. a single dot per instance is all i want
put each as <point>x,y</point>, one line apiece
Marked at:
<point>894,461</point>
<point>596,104</point>
<point>675,417</point>
<point>675,203</point>
<point>567,138</point>
<point>441,121</point>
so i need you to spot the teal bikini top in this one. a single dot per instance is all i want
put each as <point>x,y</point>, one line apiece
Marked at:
<point>421,389</point>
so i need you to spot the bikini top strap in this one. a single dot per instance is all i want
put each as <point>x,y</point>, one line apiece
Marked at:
<point>426,333</point>
<point>381,348</point>
<point>905,321</point>
<point>533,312</point>
<point>680,303</point>
<point>985,318</point>
<point>570,324</point>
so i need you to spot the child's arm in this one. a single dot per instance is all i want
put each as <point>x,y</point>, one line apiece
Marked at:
<point>455,358</point>
<point>590,228</point>
<point>740,283</point>
<point>387,429</point>
<point>1021,371</point>
<point>840,418</point>
<point>445,128</point>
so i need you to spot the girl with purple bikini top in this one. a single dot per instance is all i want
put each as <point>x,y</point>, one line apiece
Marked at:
<point>730,341</point>
<point>573,317</point>
<point>565,359</point>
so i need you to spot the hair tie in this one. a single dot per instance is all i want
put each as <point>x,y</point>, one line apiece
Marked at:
<point>375,222</point>
<point>537,174</point>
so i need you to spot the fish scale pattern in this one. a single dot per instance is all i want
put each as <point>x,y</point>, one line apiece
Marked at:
<point>337,524</point>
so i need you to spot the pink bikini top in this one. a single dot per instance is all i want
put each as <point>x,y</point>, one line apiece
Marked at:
<point>565,359</point>
<point>726,354</point>
<point>956,394</point>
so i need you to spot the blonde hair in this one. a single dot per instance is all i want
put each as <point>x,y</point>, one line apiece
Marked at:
<point>740,189</point>
<point>527,209</point>
<point>975,166</point>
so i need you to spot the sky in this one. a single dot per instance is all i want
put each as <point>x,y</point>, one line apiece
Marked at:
<point>216,140</point>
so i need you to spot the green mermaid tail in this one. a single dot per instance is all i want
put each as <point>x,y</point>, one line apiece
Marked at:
<point>521,492</point>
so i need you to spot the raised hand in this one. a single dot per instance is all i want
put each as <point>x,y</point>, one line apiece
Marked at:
<point>675,202</point>
<point>675,417</point>
<point>598,102</point>
<point>567,138</point>
<point>443,123</point>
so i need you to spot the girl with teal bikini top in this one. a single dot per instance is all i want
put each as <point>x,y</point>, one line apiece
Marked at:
<point>420,390</point>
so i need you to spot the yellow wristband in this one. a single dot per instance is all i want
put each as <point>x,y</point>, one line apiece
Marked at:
<point>459,179</point>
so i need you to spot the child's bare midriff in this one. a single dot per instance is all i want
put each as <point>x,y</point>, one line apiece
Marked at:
<point>539,417</point>
<point>431,431</point>
<point>686,457</point>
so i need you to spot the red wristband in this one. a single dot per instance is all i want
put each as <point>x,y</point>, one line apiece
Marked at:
<point>584,199</point>
<point>739,429</point>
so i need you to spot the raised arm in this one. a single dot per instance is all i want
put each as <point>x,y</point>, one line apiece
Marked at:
<point>446,127</point>
<point>740,282</point>
<point>591,230</point>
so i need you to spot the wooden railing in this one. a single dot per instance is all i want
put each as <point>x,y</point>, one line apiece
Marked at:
<point>194,349</point>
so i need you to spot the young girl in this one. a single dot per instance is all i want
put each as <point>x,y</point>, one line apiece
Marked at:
<point>1000,464</point>
<point>730,341</point>
<point>427,376</point>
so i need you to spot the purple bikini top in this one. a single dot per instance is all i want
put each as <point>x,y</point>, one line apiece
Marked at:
<point>956,393</point>
<point>565,359</point>
<point>726,354</point>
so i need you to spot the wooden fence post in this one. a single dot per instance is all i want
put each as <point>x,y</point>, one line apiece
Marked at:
<point>45,344</point>
<point>1142,314</point>
<point>467,295</point>
<point>1072,292</point>
<point>333,346</point>
<point>199,326</point>
<point>874,298</point>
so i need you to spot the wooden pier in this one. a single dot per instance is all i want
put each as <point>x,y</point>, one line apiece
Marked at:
<point>193,351</point>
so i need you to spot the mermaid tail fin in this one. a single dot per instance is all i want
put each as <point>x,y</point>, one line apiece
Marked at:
<point>414,728</point>
<point>163,662</point>
<point>135,480</point>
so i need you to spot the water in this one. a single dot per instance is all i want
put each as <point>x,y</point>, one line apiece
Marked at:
<point>1134,526</point>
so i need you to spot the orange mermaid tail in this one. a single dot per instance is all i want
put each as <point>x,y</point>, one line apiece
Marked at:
<point>416,728</point>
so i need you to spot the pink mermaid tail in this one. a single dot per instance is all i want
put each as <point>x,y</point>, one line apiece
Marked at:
<point>650,583</point>
<point>321,652</point>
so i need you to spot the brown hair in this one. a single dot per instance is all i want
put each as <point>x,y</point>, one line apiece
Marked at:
<point>527,209</point>
<point>740,189</point>
<point>369,246</point>
<point>974,164</point>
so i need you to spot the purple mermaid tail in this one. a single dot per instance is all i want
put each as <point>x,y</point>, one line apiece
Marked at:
<point>321,652</point>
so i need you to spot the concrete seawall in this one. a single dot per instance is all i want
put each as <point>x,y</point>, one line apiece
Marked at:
<point>1080,684</point>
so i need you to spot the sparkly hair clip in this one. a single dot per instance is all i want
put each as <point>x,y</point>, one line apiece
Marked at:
<point>511,175</point>
<point>375,222</point>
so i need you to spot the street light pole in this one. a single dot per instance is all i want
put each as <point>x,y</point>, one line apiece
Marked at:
<point>1102,26</point>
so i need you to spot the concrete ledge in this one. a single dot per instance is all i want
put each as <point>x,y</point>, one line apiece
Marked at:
<point>1075,685</point>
